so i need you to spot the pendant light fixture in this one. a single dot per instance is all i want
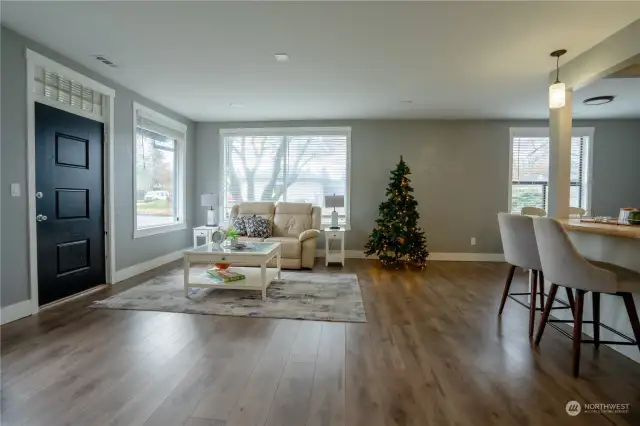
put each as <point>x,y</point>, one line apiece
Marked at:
<point>557,89</point>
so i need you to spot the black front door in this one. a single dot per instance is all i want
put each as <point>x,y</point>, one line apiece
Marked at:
<point>69,204</point>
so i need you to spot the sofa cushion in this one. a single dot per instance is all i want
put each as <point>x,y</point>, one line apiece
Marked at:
<point>262,209</point>
<point>257,227</point>
<point>291,247</point>
<point>291,219</point>
<point>239,225</point>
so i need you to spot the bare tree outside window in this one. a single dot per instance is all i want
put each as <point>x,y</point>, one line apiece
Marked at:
<point>530,172</point>
<point>283,168</point>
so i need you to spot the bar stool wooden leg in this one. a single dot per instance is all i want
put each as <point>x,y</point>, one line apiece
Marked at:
<point>596,319</point>
<point>633,316</point>
<point>507,286</point>
<point>532,302</point>
<point>572,303</point>
<point>546,313</point>
<point>577,332</point>
<point>541,285</point>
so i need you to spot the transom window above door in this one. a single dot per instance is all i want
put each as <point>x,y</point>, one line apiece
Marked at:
<point>299,165</point>
<point>529,168</point>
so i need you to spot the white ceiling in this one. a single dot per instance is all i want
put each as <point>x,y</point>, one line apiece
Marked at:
<point>348,60</point>
<point>625,105</point>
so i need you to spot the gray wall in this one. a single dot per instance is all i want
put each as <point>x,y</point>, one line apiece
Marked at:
<point>616,165</point>
<point>459,172</point>
<point>14,230</point>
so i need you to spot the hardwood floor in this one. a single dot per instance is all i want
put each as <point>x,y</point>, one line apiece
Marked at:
<point>434,352</point>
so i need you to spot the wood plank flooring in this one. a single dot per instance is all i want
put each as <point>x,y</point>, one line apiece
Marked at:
<point>434,352</point>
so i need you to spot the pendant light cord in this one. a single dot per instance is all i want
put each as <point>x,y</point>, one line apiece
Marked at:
<point>557,69</point>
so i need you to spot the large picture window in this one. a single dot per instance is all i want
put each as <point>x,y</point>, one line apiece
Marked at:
<point>159,168</point>
<point>291,165</point>
<point>530,168</point>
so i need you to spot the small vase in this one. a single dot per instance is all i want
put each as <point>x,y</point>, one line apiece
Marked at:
<point>233,242</point>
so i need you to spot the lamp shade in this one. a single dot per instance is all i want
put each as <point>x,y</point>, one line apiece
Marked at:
<point>556,95</point>
<point>209,200</point>
<point>334,201</point>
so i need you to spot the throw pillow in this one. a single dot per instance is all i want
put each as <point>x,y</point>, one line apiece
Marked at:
<point>240,225</point>
<point>257,227</point>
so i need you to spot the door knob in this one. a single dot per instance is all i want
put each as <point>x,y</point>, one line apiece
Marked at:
<point>41,218</point>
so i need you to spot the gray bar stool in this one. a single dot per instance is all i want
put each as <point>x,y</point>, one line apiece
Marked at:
<point>563,265</point>
<point>521,250</point>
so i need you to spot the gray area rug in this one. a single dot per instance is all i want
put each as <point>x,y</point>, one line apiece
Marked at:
<point>297,295</point>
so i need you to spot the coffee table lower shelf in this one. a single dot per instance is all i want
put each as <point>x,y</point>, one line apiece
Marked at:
<point>254,280</point>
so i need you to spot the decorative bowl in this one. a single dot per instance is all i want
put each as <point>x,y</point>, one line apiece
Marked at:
<point>222,266</point>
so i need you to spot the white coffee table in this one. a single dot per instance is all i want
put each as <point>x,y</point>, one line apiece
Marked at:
<point>257,277</point>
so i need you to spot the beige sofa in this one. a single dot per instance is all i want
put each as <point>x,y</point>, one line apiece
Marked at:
<point>294,225</point>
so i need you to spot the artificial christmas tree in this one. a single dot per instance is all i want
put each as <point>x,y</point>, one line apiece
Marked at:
<point>397,238</point>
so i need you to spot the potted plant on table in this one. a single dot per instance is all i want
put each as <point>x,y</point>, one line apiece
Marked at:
<point>232,235</point>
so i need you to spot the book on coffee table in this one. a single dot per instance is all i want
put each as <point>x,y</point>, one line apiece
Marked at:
<point>224,275</point>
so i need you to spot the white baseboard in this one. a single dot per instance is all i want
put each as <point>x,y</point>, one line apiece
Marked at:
<point>453,257</point>
<point>467,257</point>
<point>15,312</point>
<point>140,268</point>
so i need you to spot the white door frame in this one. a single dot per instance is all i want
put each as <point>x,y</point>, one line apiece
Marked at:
<point>108,95</point>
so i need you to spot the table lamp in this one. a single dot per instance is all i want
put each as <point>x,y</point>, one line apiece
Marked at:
<point>334,201</point>
<point>211,201</point>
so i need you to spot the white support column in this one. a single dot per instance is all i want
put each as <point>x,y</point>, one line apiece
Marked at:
<point>560,124</point>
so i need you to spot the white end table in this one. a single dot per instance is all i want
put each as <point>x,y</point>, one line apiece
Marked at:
<point>334,255</point>
<point>203,231</point>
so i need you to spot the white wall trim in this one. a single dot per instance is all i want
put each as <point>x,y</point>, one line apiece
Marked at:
<point>180,174</point>
<point>156,230</point>
<point>467,257</point>
<point>140,268</point>
<point>43,61</point>
<point>15,312</point>
<point>453,257</point>
<point>543,132</point>
<point>34,59</point>
<point>286,132</point>
<point>587,172</point>
<point>68,108</point>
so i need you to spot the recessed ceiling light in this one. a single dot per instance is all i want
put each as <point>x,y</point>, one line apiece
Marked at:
<point>282,57</point>
<point>599,100</point>
<point>232,105</point>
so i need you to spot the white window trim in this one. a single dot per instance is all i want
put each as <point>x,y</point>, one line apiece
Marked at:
<point>34,59</point>
<point>289,131</point>
<point>543,132</point>
<point>181,164</point>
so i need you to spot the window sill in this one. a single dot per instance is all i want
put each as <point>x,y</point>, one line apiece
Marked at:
<point>155,230</point>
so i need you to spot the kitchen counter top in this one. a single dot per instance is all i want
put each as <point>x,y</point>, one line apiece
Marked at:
<point>601,228</point>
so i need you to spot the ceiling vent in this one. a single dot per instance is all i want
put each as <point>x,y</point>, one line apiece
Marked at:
<point>105,61</point>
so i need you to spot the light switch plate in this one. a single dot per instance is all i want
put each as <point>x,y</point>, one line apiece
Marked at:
<point>15,189</point>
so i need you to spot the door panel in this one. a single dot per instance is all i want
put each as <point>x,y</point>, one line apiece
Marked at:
<point>69,174</point>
